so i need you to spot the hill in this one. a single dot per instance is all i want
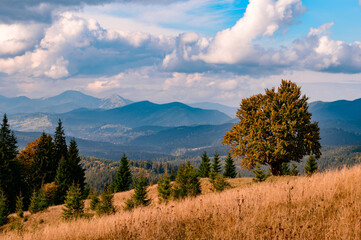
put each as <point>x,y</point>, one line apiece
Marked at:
<point>230,111</point>
<point>324,206</point>
<point>64,102</point>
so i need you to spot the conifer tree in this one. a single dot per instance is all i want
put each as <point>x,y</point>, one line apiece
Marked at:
<point>105,205</point>
<point>9,167</point>
<point>140,196</point>
<point>77,173</point>
<point>218,182</point>
<point>60,147</point>
<point>216,166</point>
<point>164,188</point>
<point>19,206</point>
<point>294,171</point>
<point>4,210</point>
<point>205,166</point>
<point>285,169</point>
<point>123,177</point>
<point>38,201</point>
<point>74,203</point>
<point>63,180</point>
<point>229,167</point>
<point>311,166</point>
<point>94,200</point>
<point>259,174</point>
<point>187,182</point>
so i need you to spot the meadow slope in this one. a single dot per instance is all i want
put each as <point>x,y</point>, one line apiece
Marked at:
<point>324,206</point>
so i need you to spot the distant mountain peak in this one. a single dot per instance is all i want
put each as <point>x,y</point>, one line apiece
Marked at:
<point>114,101</point>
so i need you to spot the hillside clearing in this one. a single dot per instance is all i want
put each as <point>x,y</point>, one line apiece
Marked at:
<point>325,206</point>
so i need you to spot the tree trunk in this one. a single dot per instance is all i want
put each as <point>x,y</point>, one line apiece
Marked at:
<point>276,169</point>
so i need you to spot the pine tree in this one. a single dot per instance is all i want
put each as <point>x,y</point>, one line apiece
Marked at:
<point>218,182</point>
<point>60,147</point>
<point>105,205</point>
<point>164,188</point>
<point>140,196</point>
<point>229,167</point>
<point>216,166</point>
<point>311,166</point>
<point>63,180</point>
<point>9,166</point>
<point>123,177</point>
<point>187,182</point>
<point>94,200</point>
<point>19,206</point>
<point>77,173</point>
<point>259,174</point>
<point>294,171</point>
<point>38,201</point>
<point>205,166</point>
<point>74,203</point>
<point>4,210</point>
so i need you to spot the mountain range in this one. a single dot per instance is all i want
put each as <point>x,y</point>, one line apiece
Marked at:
<point>146,129</point>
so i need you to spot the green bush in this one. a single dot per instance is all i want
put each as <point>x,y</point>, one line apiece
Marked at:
<point>218,182</point>
<point>74,203</point>
<point>38,201</point>
<point>105,205</point>
<point>164,189</point>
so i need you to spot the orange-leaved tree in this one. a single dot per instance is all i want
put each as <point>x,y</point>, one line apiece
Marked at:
<point>274,128</point>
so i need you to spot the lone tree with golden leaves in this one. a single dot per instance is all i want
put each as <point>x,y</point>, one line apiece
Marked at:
<point>274,128</point>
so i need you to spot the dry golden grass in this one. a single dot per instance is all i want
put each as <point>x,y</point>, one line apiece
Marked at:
<point>325,206</point>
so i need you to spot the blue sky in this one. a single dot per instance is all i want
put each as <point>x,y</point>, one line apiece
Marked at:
<point>180,50</point>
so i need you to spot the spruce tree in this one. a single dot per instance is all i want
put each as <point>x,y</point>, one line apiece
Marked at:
<point>74,203</point>
<point>140,196</point>
<point>38,201</point>
<point>205,166</point>
<point>311,166</point>
<point>60,147</point>
<point>63,180</point>
<point>294,171</point>
<point>259,174</point>
<point>187,182</point>
<point>77,172</point>
<point>218,182</point>
<point>164,188</point>
<point>229,167</point>
<point>19,206</point>
<point>105,205</point>
<point>94,200</point>
<point>216,166</point>
<point>123,177</point>
<point>9,166</point>
<point>285,169</point>
<point>4,210</point>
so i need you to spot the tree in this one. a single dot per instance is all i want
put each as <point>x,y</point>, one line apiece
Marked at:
<point>77,173</point>
<point>229,167</point>
<point>38,201</point>
<point>285,169</point>
<point>63,180</point>
<point>74,203</point>
<point>205,166</point>
<point>218,182</point>
<point>187,182</point>
<point>216,166</point>
<point>94,200</point>
<point>9,167</point>
<point>60,147</point>
<point>123,177</point>
<point>311,166</point>
<point>274,128</point>
<point>4,210</point>
<point>105,205</point>
<point>164,188</point>
<point>19,206</point>
<point>259,174</point>
<point>37,162</point>
<point>294,171</point>
<point>140,196</point>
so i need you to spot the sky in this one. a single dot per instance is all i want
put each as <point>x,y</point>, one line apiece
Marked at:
<point>180,50</point>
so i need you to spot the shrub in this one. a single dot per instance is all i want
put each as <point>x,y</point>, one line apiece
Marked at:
<point>259,174</point>
<point>139,198</point>
<point>38,201</point>
<point>94,200</point>
<point>311,166</point>
<point>19,206</point>
<point>218,182</point>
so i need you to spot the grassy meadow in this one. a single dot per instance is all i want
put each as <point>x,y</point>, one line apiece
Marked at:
<point>324,206</point>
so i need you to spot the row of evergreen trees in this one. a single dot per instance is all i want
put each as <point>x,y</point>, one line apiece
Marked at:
<point>206,168</point>
<point>39,175</point>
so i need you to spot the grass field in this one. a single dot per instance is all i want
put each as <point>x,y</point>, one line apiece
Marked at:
<point>324,206</point>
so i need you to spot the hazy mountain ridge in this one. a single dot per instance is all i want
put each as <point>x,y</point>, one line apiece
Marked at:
<point>64,102</point>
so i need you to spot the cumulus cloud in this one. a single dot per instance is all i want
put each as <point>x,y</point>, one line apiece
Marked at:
<point>42,10</point>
